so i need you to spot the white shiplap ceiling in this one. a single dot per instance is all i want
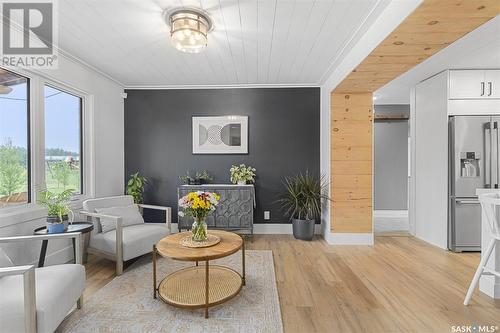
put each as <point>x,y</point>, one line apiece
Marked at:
<point>254,42</point>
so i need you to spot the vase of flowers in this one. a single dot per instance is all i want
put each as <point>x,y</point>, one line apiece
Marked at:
<point>242,174</point>
<point>198,205</point>
<point>199,230</point>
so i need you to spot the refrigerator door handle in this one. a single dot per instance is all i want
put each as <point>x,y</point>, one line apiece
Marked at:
<point>468,202</point>
<point>482,88</point>
<point>487,155</point>
<point>496,144</point>
<point>494,156</point>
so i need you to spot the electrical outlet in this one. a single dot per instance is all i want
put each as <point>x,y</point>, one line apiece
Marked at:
<point>267,215</point>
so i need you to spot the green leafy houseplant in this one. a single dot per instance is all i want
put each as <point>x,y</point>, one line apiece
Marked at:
<point>301,202</point>
<point>242,174</point>
<point>199,178</point>
<point>57,204</point>
<point>135,187</point>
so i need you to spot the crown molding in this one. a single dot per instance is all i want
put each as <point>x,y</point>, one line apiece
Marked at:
<point>225,86</point>
<point>68,56</point>
<point>79,61</point>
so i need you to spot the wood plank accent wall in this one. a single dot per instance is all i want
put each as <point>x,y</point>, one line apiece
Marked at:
<point>431,27</point>
<point>351,162</point>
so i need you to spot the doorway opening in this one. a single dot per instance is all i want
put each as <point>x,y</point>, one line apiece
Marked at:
<point>391,169</point>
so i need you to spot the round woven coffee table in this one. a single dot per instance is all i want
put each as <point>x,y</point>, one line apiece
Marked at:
<point>200,286</point>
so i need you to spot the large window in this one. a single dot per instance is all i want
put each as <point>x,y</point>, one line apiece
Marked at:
<point>14,139</point>
<point>35,111</point>
<point>63,140</point>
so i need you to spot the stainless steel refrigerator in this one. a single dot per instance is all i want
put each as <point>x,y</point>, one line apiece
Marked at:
<point>473,163</point>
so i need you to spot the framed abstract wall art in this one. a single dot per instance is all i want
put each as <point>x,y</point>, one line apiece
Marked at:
<point>220,135</point>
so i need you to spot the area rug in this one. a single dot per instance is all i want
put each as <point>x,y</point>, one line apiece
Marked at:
<point>126,304</point>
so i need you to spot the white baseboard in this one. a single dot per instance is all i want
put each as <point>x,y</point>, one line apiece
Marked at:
<point>390,213</point>
<point>443,245</point>
<point>349,238</point>
<point>279,229</point>
<point>268,228</point>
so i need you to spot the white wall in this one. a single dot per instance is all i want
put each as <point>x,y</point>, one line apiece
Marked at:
<point>381,22</point>
<point>431,160</point>
<point>105,139</point>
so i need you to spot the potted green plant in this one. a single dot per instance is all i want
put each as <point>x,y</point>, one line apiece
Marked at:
<point>242,174</point>
<point>57,205</point>
<point>301,201</point>
<point>135,187</point>
<point>199,178</point>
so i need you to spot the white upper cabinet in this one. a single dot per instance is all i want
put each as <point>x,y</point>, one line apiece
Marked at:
<point>492,81</point>
<point>474,84</point>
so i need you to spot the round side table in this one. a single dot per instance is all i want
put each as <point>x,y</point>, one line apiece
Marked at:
<point>200,286</point>
<point>83,227</point>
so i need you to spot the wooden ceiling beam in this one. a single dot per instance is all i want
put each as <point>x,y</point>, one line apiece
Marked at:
<point>434,25</point>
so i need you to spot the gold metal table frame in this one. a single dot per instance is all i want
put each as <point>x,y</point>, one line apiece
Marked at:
<point>199,286</point>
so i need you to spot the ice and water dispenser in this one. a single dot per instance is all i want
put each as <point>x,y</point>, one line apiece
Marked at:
<point>469,163</point>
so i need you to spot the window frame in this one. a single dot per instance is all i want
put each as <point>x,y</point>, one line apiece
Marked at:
<point>83,167</point>
<point>36,135</point>
<point>28,142</point>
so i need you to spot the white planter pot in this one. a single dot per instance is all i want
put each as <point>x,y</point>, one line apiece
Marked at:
<point>242,182</point>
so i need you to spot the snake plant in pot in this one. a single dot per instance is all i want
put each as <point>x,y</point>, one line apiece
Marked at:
<point>301,202</point>
<point>57,205</point>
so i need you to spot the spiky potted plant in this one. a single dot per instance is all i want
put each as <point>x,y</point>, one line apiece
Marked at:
<point>58,208</point>
<point>301,202</point>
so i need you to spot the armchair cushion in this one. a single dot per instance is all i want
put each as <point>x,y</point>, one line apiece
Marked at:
<point>130,216</point>
<point>91,205</point>
<point>57,290</point>
<point>137,239</point>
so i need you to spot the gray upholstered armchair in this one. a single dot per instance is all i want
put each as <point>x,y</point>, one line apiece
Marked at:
<point>119,233</point>
<point>38,299</point>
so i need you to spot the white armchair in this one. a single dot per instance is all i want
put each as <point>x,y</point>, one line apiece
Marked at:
<point>123,242</point>
<point>38,299</point>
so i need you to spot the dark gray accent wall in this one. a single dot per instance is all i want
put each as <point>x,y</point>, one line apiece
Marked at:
<point>283,127</point>
<point>391,159</point>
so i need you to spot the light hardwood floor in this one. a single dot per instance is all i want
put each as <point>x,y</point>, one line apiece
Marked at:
<point>399,285</point>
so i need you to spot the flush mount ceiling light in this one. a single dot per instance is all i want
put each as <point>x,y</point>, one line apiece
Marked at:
<point>189,29</point>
